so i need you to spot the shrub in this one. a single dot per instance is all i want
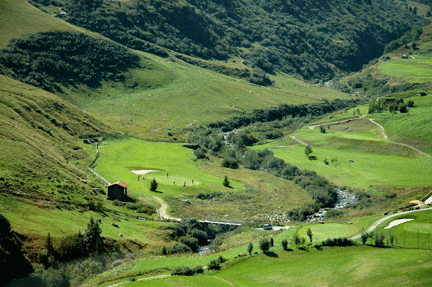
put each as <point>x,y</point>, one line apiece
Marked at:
<point>264,245</point>
<point>153,185</point>
<point>179,247</point>
<point>214,265</point>
<point>230,163</point>
<point>199,270</point>
<point>284,244</point>
<point>200,153</point>
<point>182,271</point>
<point>333,213</point>
<point>226,182</point>
<point>342,242</point>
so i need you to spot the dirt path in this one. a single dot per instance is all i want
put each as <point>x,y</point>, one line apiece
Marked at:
<point>162,211</point>
<point>402,144</point>
<point>299,141</point>
<point>381,127</point>
<point>332,123</point>
<point>223,280</point>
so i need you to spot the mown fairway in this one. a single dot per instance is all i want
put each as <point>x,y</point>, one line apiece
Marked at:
<point>338,266</point>
<point>252,194</point>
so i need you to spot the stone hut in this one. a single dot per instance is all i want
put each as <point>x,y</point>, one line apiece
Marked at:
<point>117,190</point>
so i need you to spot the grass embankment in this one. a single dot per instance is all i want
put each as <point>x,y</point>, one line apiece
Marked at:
<point>412,234</point>
<point>251,194</point>
<point>363,157</point>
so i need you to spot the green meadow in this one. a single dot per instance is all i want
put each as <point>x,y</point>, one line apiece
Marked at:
<point>361,157</point>
<point>172,164</point>
<point>412,234</point>
<point>44,219</point>
<point>167,95</point>
<point>415,70</point>
<point>251,194</point>
<point>337,266</point>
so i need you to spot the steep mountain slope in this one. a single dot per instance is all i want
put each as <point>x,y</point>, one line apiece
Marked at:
<point>312,39</point>
<point>41,144</point>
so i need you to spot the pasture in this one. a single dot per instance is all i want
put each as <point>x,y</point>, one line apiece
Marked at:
<point>167,95</point>
<point>337,266</point>
<point>358,155</point>
<point>417,69</point>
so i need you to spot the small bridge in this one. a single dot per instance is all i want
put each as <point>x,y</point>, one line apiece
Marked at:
<point>219,222</point>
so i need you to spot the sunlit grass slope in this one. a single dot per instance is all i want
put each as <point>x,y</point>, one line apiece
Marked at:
<point>168,95</point>
<point>251,193</point>
<point>362,156</point>
<point>18,18</point>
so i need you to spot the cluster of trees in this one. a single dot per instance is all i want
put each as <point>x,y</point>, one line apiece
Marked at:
<point>391,104</point>
<point>13,263</point>
<point>67,58</point>
<point>374,87</point>
<point>407,37</point>
<point>191,234</point>
<point>311,39</point>
<point>76,246</point>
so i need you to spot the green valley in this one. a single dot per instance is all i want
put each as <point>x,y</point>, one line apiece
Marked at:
<point>222,143</point>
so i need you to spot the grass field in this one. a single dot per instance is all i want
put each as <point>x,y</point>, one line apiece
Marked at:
<point>20,18</point>
<point>412,234</point>
<point>349,266</point>
<point>363,157</point>
<point>414,70</point>
<point>170,95</point>
<point>252,194</point>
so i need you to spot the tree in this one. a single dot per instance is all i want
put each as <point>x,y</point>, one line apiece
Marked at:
<point>153,185</point>
<point>264,245</point>
<point>296,239</point>
<point>309,234</point>
<point>92,237</point>
<point>250,248</point>
<point>13,263</point>
<point>50,252</point>
<point>308,150</point>
<point>364,236</point>
<point>271,242</point>
<point>226,182</point>
<point>284,244</point>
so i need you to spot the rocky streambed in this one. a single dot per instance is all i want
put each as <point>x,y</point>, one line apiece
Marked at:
<point>344,199</point>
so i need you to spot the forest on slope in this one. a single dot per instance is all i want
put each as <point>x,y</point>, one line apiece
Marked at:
<point>316,39</point>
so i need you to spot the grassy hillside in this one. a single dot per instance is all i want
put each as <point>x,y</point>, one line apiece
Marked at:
<point>375,161</point>
<point>171,94</point>
<point>20,18</point>
<point>42,142</point>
